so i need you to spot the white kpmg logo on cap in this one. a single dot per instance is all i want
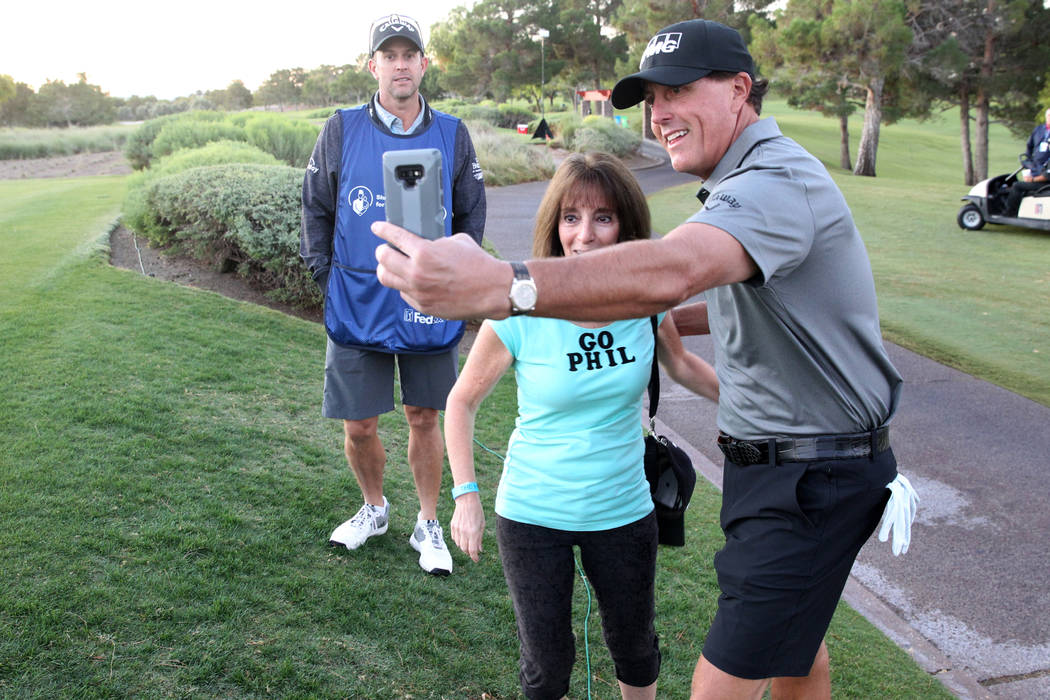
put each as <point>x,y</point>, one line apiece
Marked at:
<point>661,43</point>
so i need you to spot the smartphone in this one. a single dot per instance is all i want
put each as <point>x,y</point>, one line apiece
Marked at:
<point>414,193</point>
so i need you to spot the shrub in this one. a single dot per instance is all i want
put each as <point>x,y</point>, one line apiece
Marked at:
<point>192,133</point>
<point>504,116</point>
<point>602,134</point>
<point>139,147</point>
<point>488,114</point>
<point>511,115</point>
<point>215,153</point>
<point>242,215</point>
<point>289,140</point>
<point>321,113</point>
<point>136,213</point>
<point>564,128</point>
<point>594,133</point>
<point>450,105</point>
<point>19,143</point>
<point>505,160</point>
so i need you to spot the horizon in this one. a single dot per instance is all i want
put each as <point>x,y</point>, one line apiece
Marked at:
<point>204,46</point>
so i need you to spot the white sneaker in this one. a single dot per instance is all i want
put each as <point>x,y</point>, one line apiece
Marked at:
<point>429,541</point>
<point>367,522</point>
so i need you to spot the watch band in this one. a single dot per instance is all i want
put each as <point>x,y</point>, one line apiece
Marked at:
<point>521,272</point>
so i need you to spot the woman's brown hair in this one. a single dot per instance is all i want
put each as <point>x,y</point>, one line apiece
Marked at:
<point>582,177</point>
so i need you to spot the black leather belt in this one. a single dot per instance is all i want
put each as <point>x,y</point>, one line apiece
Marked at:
<point>808,449</point>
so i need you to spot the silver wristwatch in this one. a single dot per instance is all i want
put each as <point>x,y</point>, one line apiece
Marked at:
<point>522,290</point>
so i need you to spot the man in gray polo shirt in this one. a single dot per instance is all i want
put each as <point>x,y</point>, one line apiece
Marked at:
<point>806,387</point>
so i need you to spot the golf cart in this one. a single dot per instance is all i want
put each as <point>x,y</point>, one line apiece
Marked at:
<point>986,202</point>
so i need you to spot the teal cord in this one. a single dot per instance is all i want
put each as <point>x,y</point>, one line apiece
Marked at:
<point>583,577</point>
<point>586,620</point>
<point>485,447</point>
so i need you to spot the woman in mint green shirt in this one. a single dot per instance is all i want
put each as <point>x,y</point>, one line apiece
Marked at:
<point>573,475</point>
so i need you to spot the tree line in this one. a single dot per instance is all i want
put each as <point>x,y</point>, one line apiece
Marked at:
<point>887,59</point>
<point>57,104</point>
<point>884,59</point>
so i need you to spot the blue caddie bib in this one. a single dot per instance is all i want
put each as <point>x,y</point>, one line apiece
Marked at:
<point>359,311</point>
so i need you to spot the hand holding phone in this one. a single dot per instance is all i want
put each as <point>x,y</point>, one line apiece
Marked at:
<point>414,191</point>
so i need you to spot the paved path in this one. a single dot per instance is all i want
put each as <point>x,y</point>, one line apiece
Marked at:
<point>970,601</point>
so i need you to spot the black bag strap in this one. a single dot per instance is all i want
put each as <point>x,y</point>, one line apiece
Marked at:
<point>654,379</point>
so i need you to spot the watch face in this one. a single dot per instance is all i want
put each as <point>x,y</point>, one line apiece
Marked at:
<point>524,296</point>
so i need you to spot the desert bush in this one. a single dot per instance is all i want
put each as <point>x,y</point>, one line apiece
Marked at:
<point>139,147</point>
<point>564,127</point>
<point>19,143</point>
<point>192,133</point>
<point>505,160</point>
<point>320,113</point>
<point>593,133</point>
<point>136,213</point>
<point>289,140</point>
<point>511,115</point>
<point>242,216</point>
<point>477,113</point>
<point>214,153</point>
<point>602,134</point>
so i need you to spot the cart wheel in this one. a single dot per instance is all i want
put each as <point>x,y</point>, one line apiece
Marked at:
<point>970,218</point>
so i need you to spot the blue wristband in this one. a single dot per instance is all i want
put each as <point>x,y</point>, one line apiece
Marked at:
<point>469,487</point>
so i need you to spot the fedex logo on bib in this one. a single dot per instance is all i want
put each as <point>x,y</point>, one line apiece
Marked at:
<point>661,43</point>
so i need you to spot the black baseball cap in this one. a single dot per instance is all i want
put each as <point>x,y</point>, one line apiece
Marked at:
<point>390,26</point>
<point>684,52</point>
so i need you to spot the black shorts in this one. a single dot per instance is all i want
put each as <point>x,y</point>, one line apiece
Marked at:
<point>792,533</point>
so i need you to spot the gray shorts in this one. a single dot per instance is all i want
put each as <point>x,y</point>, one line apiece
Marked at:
<point>359,384</point>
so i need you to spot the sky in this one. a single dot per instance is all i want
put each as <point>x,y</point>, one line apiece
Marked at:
<point>174,49</point>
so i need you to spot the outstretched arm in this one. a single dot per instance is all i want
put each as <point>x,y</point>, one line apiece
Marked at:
<point>454,278</point>
<point>683,366</point>
<point>486,363</point>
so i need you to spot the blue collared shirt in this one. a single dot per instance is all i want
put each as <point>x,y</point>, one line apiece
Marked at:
<point>394,123</point>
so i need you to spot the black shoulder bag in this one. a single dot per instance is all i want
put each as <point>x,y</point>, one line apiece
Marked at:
<point>668,469</point>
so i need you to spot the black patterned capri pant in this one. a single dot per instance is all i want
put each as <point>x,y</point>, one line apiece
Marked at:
<point>620,564</point>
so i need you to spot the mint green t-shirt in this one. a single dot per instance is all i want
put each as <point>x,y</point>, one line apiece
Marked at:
<point>574,460</point>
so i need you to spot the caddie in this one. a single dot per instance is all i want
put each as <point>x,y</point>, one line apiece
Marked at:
<point>370,329</point>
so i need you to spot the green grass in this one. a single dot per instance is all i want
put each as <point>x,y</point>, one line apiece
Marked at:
<point>973,300</point>
<point>167,486</point>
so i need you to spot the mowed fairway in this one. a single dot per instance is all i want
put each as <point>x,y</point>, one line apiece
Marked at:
<point>167,486</point>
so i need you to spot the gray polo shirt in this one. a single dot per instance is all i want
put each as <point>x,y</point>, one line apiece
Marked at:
<point>798,348</point>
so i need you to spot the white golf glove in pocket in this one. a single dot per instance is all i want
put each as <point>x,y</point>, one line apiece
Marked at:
<point>899,514</point>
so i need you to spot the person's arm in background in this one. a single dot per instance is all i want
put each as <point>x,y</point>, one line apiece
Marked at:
<point>468,188</point>
<point>683,366</point>
<point>320,191</point>
<point>1031,144</point>
<point>486,363</point>
<point>691,319</point>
